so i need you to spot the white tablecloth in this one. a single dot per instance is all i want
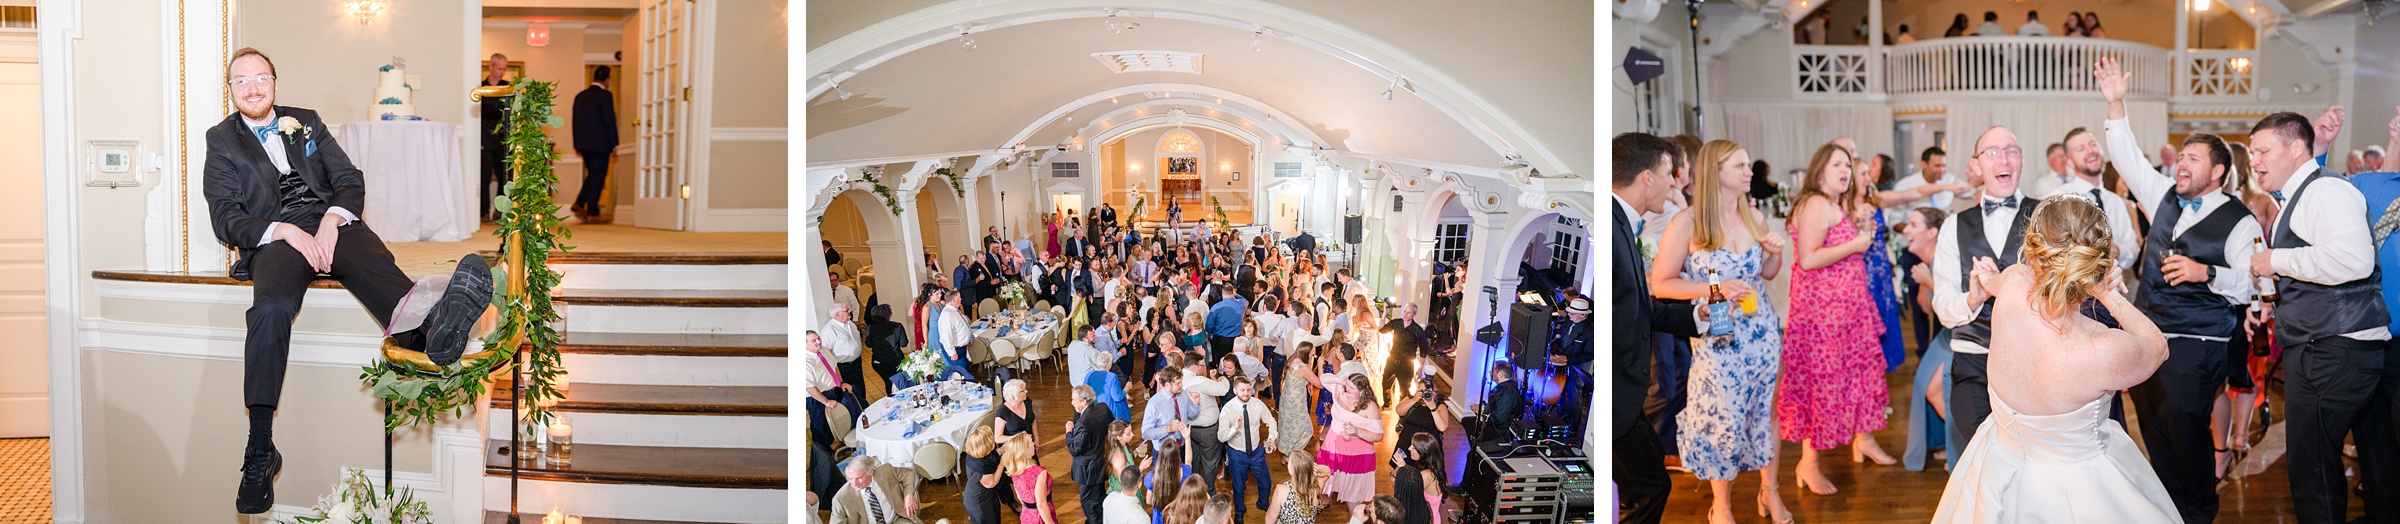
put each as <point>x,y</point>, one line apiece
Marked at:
<point>1024,335</point>
<point>883,435</point>
<point>415,192</point>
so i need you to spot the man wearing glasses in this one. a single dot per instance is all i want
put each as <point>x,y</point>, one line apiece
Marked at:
<point>285,196</point>
<point>1976,243</point>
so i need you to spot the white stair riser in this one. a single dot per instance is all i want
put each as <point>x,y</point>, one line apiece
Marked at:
<point>654,319</point>
<point>643,502</point>
<point>667,276</point>
<point>685,431</point>
<point>657,370</point>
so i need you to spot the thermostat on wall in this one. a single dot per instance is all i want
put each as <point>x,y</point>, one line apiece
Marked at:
<point>110,163</point>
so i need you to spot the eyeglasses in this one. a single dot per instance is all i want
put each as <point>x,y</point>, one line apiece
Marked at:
<point>2000,152</point>
<point>241,81</point>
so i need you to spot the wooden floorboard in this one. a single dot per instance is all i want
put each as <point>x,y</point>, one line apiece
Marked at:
<point>1873,493</point>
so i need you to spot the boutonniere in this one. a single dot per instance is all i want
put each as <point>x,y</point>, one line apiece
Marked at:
<point>291,129</point>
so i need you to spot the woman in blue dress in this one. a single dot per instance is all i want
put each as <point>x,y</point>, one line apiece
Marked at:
<point>1723,242</point>
<point>1879,268</point>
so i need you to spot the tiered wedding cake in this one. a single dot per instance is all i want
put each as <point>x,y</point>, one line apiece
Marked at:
<point>393,95</point>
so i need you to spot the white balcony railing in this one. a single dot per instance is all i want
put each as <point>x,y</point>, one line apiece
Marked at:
<point>2216,74</point>
<point>2034,64</point>
<point>1821,70</point>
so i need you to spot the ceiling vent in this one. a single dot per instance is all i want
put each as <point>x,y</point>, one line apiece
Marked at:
<point>1141,61</point>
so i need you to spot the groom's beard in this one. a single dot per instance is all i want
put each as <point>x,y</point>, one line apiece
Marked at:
<point>262,114</point>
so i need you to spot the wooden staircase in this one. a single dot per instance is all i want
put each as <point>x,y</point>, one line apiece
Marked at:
<point>676,393</point>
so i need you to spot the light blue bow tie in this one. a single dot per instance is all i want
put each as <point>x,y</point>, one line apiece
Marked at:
<point>2189,204</point>
<point>2277,194</point>
<point>264,131</point>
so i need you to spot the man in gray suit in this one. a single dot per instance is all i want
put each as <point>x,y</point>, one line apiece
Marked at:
<point>868,497</point>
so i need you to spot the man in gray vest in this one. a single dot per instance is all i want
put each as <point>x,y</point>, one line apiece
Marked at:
<point>2195,284</point>
<point>1976,242</point>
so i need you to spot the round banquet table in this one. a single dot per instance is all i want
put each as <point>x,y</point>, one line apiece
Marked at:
<point>415,190</point>
<point>884,434</point>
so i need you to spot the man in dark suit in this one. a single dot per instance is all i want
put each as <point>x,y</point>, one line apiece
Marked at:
<point>285,196</point>
<point>1087,442</point>
<point>1504,406</point>
<point>595,141</point>
<point>963,280</point>
<point>1108,213</point>
<point>1639,181</point>
<point>496,172</point>
<point>1075,244</point>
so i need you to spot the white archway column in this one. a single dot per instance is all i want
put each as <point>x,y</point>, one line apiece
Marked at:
<point>911,245</point>
<point>819,305</point>
<point>973,203</point>
<point>1469,365</point>
<point>1412,250</point>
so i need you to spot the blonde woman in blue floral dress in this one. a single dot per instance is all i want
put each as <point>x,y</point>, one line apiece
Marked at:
<point>1729,426</point>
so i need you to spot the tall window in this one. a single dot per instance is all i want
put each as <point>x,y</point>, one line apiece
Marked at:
<point>1450,242</point>
<point>1566,247</point>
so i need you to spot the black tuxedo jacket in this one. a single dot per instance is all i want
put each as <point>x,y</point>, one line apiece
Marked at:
<point>1637,314</point>
<point>240,181</point>
<point>1088,443</point>
<point>595,120</point>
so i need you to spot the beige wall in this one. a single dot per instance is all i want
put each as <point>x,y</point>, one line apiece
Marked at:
<point>747,90</point>
<point>325,60</point>
<point>561,62</point>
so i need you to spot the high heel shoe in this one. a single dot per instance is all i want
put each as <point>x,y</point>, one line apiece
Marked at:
<point>1807,486</point>
<point>1781,514</point>
<point>1858,454</point>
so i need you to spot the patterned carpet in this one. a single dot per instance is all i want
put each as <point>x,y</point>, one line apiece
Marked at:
<point>24,480</point>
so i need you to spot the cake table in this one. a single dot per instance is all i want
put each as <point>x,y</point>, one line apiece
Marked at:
<point>416,191</point>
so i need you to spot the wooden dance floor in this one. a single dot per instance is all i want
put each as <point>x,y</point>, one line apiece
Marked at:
<point>1873,493</point>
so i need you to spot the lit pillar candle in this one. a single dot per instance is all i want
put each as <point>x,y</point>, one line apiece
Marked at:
<point>556,516</point>
<point>559,430</point>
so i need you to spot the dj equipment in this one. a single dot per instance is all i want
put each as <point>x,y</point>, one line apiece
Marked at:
<point>1530,485</point>
<point>1528,333</point>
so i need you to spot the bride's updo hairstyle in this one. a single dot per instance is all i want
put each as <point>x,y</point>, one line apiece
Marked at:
<point>2067,245</point>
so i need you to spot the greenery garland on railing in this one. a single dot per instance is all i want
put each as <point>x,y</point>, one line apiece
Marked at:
<point>873,178</point>
<point>945,173</point>
<point>1138,203</point>
<point>1224,223</point>
<point>530,217</point>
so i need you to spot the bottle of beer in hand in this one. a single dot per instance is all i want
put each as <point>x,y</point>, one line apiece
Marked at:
<point>2266,285</point>
<point>1720,314</point>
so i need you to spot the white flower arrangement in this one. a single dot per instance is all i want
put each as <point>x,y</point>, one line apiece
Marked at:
<point>291,129</point>
<point>923,363</point>
<point>1013,293</point>
<point>354,500</point>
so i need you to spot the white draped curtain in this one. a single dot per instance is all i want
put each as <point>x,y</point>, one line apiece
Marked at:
<point>1786,135</point>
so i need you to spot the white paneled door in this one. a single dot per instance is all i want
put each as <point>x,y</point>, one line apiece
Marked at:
<point>24,361</point>
<point>662,188</point>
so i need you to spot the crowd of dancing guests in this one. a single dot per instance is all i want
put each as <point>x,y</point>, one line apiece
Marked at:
<point>1194,354</point>
<point>2201,237</point>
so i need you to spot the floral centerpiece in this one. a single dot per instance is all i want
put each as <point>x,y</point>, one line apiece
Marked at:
<point>923,364</point>
<point>1014,294</point>
<point>354,500</point>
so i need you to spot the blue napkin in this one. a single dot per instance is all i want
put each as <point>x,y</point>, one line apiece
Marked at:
<point>911,432</point>
<point>978,406</point>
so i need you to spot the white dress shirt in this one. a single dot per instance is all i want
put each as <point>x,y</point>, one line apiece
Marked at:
<point>1949,299</point>
<point>2120,219</point>
<point>2150,187</point>
<point>2335,225</point>
<point>2033,29</point>
<point>1241,419</point>
<point>954,329</point>
<point>1120,508</point>
<point>1937,200</point>
<point>840,338</point>
<point>1195,383</point>
<point>1080,357</point>
<point>283,164</point>
<point>815,374</point>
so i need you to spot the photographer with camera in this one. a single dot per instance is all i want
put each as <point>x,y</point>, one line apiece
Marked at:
<point>1423,413</point>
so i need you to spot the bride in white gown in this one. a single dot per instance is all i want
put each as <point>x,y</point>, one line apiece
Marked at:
<point>2049,453</point>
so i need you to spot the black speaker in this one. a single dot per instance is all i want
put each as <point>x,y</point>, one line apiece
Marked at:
<point>1354,229</point>
<point>1528,333</point>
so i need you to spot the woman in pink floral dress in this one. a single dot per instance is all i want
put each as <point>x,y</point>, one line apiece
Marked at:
<point>1833,389</point>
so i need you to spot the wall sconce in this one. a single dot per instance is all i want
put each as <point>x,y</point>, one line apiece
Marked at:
<point>537,34</point>
<point>364,10</point>
<point>1133,166</point>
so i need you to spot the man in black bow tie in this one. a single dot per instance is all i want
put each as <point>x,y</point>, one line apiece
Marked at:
<point>274,176</point>
<point>1973,245</point>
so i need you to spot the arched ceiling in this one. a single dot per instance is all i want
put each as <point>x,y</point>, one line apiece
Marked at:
<point>1528,62</point>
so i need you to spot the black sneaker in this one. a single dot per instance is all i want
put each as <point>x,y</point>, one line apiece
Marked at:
<point>257,493</point>
<point>450,325</point>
